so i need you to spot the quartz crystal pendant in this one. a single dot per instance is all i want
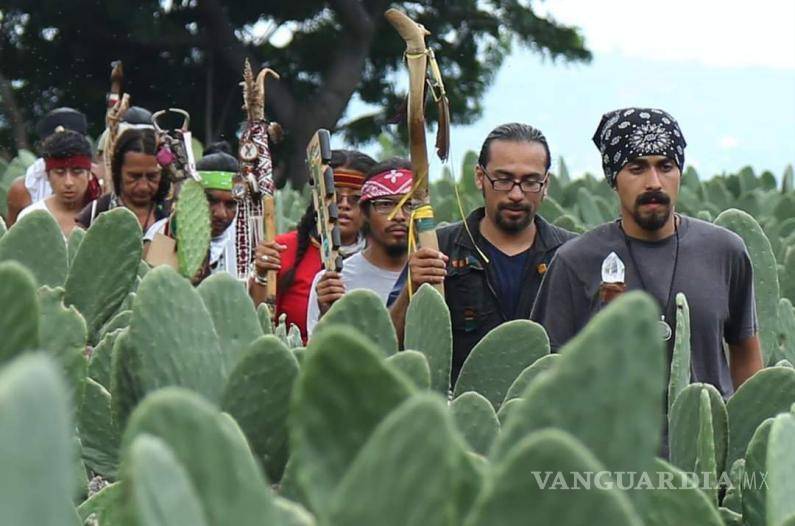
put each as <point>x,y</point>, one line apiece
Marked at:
<point>613,269</point>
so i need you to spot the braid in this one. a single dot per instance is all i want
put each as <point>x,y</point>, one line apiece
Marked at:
<point>306,230</point>
<point>306,226</point>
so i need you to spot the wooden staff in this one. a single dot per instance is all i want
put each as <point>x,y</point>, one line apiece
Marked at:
<point>117,104</point>
<point>324,198</point>
<point>418,57</point>
<point>257,218</point>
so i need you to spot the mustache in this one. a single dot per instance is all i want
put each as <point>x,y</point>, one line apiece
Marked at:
<point>653,197</point>
<point>514,207</point>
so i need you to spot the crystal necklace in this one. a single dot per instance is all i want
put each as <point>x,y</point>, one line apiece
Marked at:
<point>665,328</point>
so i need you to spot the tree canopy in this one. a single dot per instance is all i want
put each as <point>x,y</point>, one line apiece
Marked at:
<point>190,53</point>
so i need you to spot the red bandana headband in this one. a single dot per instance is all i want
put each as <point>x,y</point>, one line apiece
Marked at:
<point>390,182</point>
<point>347,178</point>
<point>76,161</point>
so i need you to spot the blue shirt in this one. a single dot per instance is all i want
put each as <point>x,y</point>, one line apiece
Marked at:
<point>507,274</point>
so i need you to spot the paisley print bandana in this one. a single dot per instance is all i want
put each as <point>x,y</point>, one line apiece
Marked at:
<point>626,134</point>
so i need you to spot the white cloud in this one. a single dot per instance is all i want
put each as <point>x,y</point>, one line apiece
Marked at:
<point>717,33</point>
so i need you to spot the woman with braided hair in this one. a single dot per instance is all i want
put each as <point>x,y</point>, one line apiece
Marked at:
<point>296,254</point>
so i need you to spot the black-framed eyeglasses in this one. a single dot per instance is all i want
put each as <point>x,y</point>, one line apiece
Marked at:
<point>385,206</point>
<point>527,186</point>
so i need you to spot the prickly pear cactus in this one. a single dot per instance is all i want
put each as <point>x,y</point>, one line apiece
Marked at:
<point>606,390</point>
<point>73,243</point>
<point>414,365</point>
<point>497,360</point>
<point>365,312</point>
<point>19,315</point>
<point>429,331</point>
<point>36,444</point>
<point>257,395</point>
<point>233,314</point>
<point>193,228</point>
<point>733,500</point>
<point>786,315</point>
<point>171,340</point>
<point>528,375</point>
<point>99,434</point>
<point>685,424</point>
<point>62,332</point>
<point>766,285</point>
<point>100,363</point>
<point>265,318</point>
<point>382,478</point>
<point>159,487</point>
<point>781,466</point>
<point>764,395</point>
<point>680,362</point>
<point>517,490</point>
<point>706,461</point>
<point>105,267</point>
<point>754,504</point>
<point>219,464</point>
<point>37,243</point>
<point>345,389</point>
<point>477,421</point>
<point>680,503</point>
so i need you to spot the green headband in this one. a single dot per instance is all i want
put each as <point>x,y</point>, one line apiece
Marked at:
<point>217,180</point>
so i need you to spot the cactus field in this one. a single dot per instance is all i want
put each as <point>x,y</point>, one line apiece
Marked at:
<point>130,397</point>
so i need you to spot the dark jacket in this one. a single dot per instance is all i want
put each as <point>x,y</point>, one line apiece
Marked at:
<point>474,306</point>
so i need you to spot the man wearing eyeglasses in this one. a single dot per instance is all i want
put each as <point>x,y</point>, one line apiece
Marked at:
<point>379,265</point>
<point>492,264</point>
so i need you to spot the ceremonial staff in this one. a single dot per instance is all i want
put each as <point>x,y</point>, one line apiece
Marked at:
<point>418,60</point>
<point>256,214</point>
<point>324,198</point>
<point>117,104</point>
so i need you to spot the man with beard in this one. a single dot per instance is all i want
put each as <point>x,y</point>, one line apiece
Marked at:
<point>492,264</point>
<point>379,265</point>
<point>218,171</point>
<point>652,248</point>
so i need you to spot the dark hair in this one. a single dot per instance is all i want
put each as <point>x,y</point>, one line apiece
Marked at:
<point>218,162</point>
<point>139,141</point>
<point>137,115</point>
<point>65,143</point>
<point>515,132</point>
<point>218,147</point>
<point>306,226</point>
<point>361,162</point>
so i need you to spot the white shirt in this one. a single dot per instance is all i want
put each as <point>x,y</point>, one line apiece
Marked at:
<point>38,205</point>
<point>223,249</point>
<point>357,273</point>
<point>36,182</point>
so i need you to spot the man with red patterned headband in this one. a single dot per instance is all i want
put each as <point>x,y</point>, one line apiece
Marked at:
<point>67,163</point>
<point>379,265</point>
<point>295,255</point>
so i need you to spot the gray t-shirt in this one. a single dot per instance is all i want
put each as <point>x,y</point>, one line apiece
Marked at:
<point>714,272</point>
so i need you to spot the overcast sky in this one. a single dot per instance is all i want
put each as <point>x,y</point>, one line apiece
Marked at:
<point>724,69</point>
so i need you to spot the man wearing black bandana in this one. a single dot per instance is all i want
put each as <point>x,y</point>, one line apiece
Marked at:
<point>652,248</point>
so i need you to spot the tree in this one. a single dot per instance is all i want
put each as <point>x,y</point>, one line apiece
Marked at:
<point>190,53</point>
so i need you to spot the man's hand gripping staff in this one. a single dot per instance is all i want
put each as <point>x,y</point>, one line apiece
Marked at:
<point>418,59</point>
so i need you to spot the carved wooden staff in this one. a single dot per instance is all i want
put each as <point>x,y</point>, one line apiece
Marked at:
<point>324,198</point>
<point>418,58</point>
<point>117,104</point>
<point>256,217</point>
